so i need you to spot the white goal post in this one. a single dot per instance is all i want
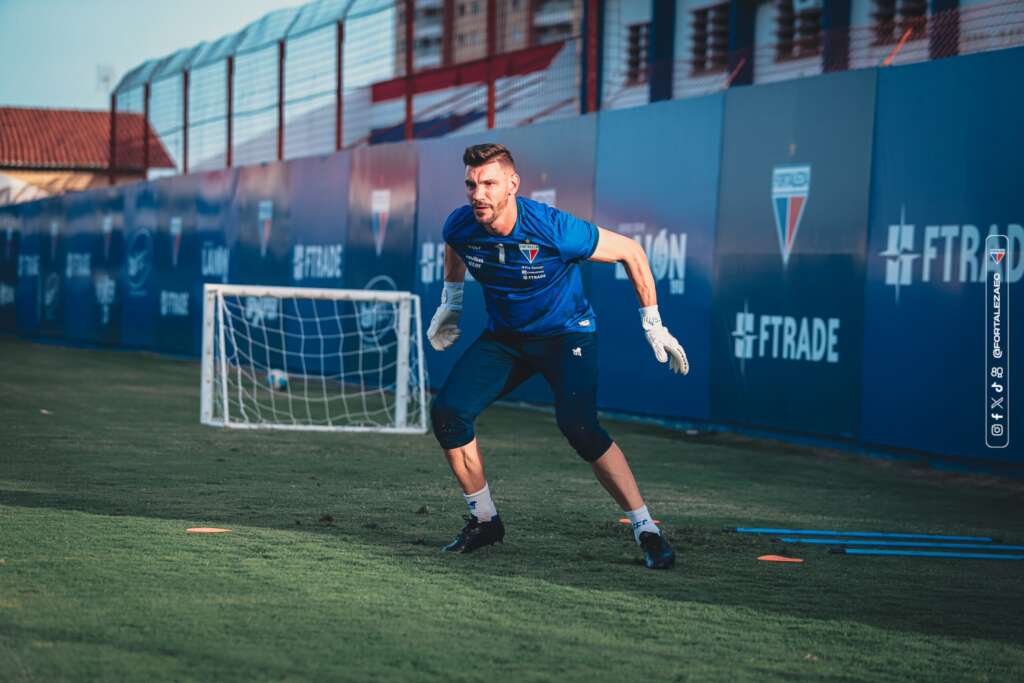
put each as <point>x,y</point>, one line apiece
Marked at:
<point>312,359</point>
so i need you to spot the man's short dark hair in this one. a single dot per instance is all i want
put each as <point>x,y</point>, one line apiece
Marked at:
<point>478,155</point>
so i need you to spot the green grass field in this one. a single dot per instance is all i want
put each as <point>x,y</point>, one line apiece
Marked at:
<point>332,569</point>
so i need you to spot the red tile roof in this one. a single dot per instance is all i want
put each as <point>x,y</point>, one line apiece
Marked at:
<point>74,139</point>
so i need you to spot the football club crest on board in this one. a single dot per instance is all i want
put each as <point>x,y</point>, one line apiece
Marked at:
<point>791,186</point>
<point>54,238</point>
<point>175,239</point>
<point>265,214</point>
<point>997,255</point>
<point>107,228</point>
<point>529,251</point>
<point>380,206</point>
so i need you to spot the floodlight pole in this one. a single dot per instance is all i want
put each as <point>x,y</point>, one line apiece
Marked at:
<point>339,105</point>
<point>280,100</point>
<point>492,41</point>
<point>231,111</point>
<point>410,10</point>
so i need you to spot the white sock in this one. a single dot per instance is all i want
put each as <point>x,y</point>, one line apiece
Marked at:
<point>480,504</point>
<point>641,521</point>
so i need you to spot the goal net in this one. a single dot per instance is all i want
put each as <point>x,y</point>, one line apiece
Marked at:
<point>312,359</point>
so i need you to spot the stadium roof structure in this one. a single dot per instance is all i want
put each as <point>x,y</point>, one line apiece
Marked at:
<point>264,32</point>
<point>71,139</point>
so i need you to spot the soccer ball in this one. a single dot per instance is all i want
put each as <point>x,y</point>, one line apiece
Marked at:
<point>277,380</point>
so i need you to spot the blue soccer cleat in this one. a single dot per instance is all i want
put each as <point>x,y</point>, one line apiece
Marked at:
<point>658,554</point>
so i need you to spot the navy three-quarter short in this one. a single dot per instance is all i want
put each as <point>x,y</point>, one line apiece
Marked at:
<point>495,365</point>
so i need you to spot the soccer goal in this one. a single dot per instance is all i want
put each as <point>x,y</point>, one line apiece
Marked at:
<point>312,359</point>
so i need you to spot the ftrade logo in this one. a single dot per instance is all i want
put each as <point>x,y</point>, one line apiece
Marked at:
<point>666,252</point>
<point>791,186</point>
<point>106,290</point>
<point>785,337</point>
<point>175,240</point>
<point>948,253</point>
<point>380,207</point>
<point>265,218</point>
<point>316,261</point>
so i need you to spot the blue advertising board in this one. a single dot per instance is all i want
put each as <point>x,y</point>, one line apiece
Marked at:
<point>10,236</point>
<point>177,266</point>
<point>28,297</point>
<point>52,223</point>
<point>937,193</point>
<point>787,324</point>
<point>108,264</point>
<point>83,247</point>
<point>258,226</point>
<point>657,182</point>
<point>138,280</point>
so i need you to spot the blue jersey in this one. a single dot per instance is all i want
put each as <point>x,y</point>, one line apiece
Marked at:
<point>530,277</point>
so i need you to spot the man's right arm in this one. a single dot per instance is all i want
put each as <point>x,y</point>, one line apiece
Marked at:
<point>454,266</point>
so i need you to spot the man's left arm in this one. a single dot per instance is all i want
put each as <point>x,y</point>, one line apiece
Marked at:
<point>613,247</point>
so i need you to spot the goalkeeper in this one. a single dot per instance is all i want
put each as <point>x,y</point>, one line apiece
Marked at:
<point>525,255</point>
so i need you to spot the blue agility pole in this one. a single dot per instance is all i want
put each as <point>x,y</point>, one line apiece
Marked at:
<point>926,553</point>
<point>858,534</point>
<point>901,544</point>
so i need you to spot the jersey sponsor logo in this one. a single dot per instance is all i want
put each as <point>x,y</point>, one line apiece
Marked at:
<point>265,219</point>
<point>948,253</point>
<point>578,352</point>
<point>54,239</point>
<point>791,186</point>
<point>215,261</point>
<point>107,229</point>
<point>105,292</point>
<point>376,318</point>
<point>173,304</point>
<point>78,264</point>
<point>175,228</point>
<point>380,207</point>
<point>530,251</point>
<point>316,261</point>
<point>139,260</point>
<point>546,195</point>
<point>785,338</point>
<point>666,252</point>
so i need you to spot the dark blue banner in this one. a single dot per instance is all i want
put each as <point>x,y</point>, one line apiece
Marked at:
<point>792,222</point>
<point>177,262</point>
<point>938,192</point>
<point>258,227</point>
<point>669,208</point>
<point>28,298</point>
<point>83,249</point>
<point>138,280</point>
<point>52,222</point>
<point>10,236</point>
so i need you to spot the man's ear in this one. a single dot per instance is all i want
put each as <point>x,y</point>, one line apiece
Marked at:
<point>514,182</point>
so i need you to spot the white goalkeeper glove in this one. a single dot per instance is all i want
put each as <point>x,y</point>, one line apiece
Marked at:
<point>444,326</point>
<point>664,345</point>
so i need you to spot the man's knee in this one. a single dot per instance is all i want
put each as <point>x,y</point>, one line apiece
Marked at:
<point>453,425</point>
<point>585,434</point>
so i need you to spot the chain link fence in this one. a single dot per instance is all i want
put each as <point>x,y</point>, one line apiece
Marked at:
<point>334,74</point>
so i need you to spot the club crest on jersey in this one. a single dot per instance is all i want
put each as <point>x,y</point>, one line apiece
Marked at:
<point>265,213</point>
<point>791,186</point>
<point>997,255</point>
<point>175,239</point>
<point>380,207</point>
<point>529,250</point>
